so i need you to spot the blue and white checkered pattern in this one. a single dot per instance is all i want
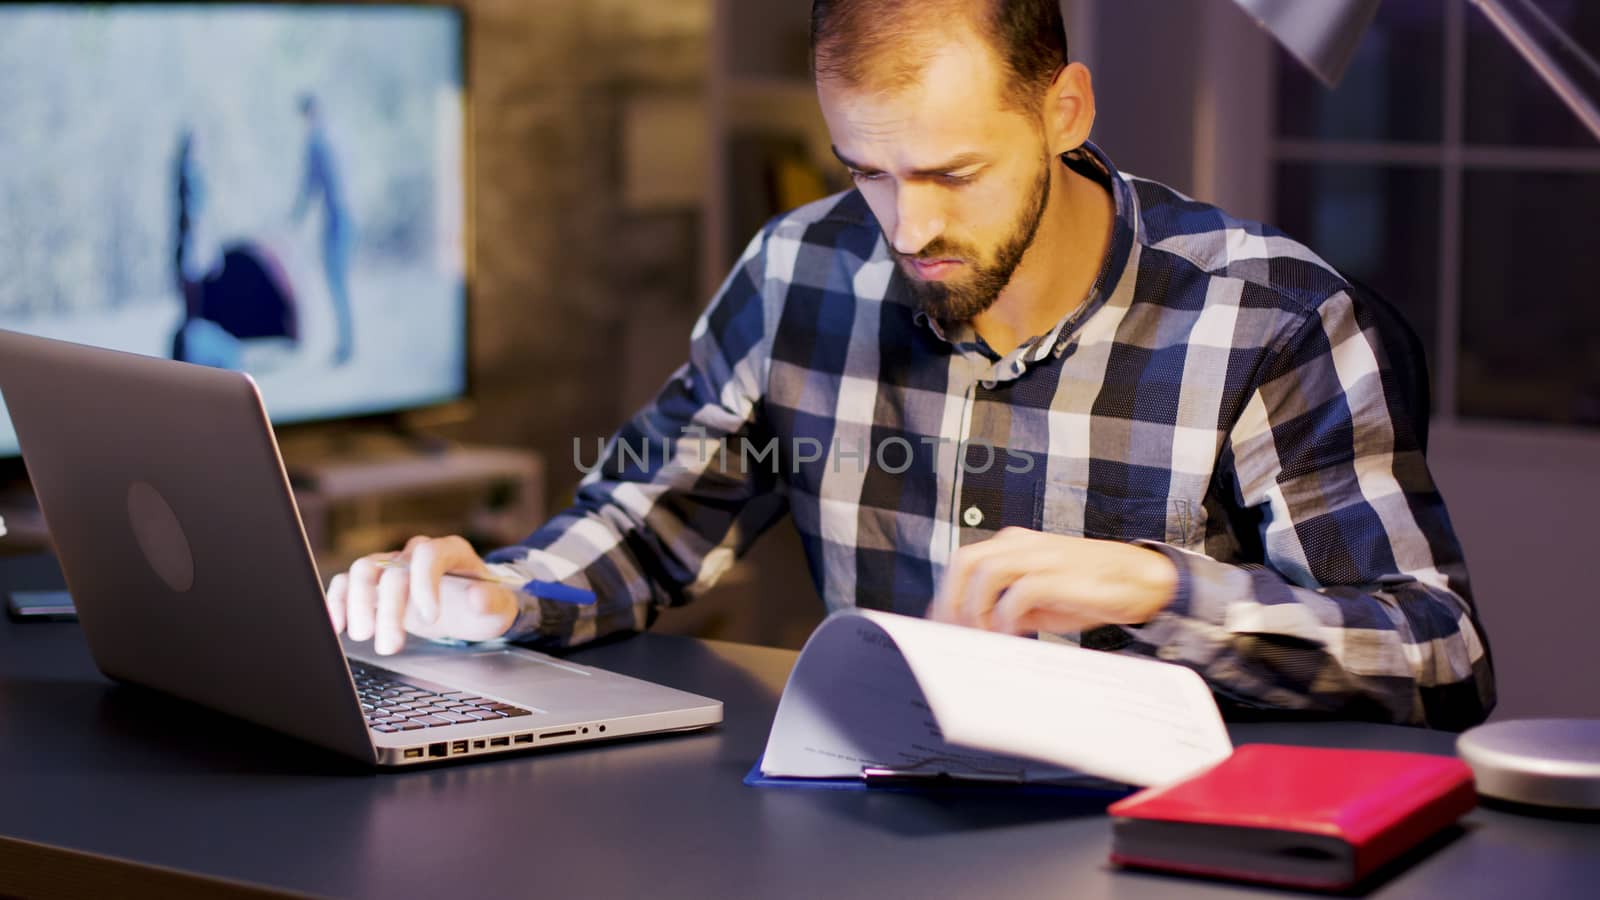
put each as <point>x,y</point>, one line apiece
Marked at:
<point>1217,398</point>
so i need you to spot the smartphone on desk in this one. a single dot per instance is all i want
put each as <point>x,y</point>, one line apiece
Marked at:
<point>40,606</point>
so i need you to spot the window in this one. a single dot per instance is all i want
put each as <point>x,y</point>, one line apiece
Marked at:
<point>1446,175</point>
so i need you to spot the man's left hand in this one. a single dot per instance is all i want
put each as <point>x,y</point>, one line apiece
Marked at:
<point>1023,581</point>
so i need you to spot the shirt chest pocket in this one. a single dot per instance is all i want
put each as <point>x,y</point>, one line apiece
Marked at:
<point>1073,509</point>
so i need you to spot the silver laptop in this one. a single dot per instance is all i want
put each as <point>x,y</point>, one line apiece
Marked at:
<point>173,520</point>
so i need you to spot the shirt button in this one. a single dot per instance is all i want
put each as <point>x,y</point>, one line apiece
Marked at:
<point>973,517</point>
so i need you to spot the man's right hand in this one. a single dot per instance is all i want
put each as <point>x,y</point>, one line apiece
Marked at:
<point>382,604</point>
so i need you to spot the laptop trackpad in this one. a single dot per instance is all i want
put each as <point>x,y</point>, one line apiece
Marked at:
<point>488,671</point>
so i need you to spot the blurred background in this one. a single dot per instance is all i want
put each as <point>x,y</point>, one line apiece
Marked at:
<point>615,156</point>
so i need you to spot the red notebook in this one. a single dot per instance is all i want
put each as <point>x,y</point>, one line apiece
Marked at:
<point>1298,816</point>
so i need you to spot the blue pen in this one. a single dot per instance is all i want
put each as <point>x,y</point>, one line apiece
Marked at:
<point>547,590</point>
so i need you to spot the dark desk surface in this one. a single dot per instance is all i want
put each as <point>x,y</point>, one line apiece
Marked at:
<point>93,771</point>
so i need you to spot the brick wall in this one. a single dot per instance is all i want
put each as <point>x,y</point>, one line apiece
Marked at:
<point>563,270</point>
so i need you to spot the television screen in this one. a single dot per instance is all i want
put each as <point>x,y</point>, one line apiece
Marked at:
<point>276,189</point>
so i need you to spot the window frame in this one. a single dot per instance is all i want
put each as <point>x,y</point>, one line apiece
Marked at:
<point>1241,150</point>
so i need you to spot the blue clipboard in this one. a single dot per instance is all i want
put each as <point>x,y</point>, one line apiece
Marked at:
<point>1089,791</point>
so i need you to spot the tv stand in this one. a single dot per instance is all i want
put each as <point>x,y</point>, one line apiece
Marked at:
<point>365,493</point>
<point>373,492</point>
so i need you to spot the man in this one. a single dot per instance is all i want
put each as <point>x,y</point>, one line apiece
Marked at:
<point>321,178</point>
<point>1011,388</point>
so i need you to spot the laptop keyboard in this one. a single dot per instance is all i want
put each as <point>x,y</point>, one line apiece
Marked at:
<point>394,702</point>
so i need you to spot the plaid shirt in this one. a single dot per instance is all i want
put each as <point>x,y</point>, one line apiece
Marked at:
<point>1219,397</point>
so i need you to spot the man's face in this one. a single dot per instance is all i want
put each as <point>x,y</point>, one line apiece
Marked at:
<point>957,180</point>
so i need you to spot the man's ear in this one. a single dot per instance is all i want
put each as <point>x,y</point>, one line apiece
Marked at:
<point>1069,108</point>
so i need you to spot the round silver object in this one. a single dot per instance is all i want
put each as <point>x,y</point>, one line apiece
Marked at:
<point>1543,762</point>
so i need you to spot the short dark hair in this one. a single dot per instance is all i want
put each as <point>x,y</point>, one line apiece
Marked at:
<point>887,41</point>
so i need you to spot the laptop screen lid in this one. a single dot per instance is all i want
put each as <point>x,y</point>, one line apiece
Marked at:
<point>172,517</point>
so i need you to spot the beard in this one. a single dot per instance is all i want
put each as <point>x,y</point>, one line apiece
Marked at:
<point>955,300</point>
